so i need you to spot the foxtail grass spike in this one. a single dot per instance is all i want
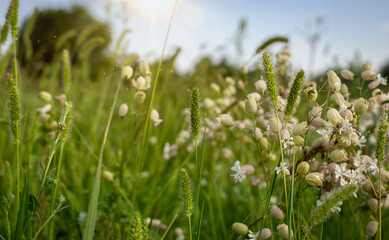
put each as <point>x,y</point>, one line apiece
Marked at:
<point>195,113</point>
<point>381,139</point>
<point>5,29</point>
<point>186,192</point>
<point>322,212</point>
<point>14,107</point>
<point>293,94</point>
<point>14,19</point>
<point>139,229</point>
<point>66,70</point>
<point>270,77</point>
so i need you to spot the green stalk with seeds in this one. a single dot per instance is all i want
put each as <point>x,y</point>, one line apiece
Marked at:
<point>186,196</point>
<point>294,94</point>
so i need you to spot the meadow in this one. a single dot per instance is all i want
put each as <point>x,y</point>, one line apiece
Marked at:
<point>140,151</point>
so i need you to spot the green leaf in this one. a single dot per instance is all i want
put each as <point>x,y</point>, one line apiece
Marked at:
<point>33,203</point>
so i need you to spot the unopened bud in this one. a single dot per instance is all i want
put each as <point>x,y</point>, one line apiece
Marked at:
<point>338,155</point>
<point>251,105</point>
<point>260,86</point>
<point>107,176</point>
<point>298,141</point>
<point>140,97</point>
<point>276,213</point>
<point>123,109</point>
<point>371,228</point>
<point>334,116</point>
<point>361,106</point>
<point>45,96</point>
<point>314,179</point>
<point>264,234</point>
<point>347,74</point>
<point>333,81</point>
<point>240,228</point>
<point>369,75</point>
<point>283,231</point>
<point>248,168</point>
<point>127,72</point>
<point>225,120</point>
<point>302,169</point>
<point>300,129</point>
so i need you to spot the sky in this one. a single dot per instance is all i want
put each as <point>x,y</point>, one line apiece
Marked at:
<point>208,27</point>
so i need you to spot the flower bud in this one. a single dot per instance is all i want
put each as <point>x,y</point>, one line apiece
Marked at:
<point>333,81</point>
<point>248,168</point>
<point>369,75</point>
<point>215,87</point>
<point>244,69</point>
<point>384,176</point>
<point>251,105</point>
<point>366,67</point>
<point>276,213</point>
<point>347,74</point>
<point>344,90</point>
<point>107,176</point>
<point>144,69</point>
<point>318,122</point>
<point>300,129</point>
<point>338,99</point>
<point>302,169</point>
<point>309,84</point>
<point>372,203</point>
<point>154,117</point>
<point>361,106</point>
<point>140,97</point>
<point>240,228</point>
<point>298,141</point>
<point>123,109</point>
<point>264,234</point>
<point>283,231</point>
<point>225,120</point>
<point>367,187</point>
<point>314,179</point>
<point>260,86</point>
<point>338,155</point>
<point>374,84</point>
<point>263,143</point>
<point>240,85</point>
<point>140,83</point>
<point>45,96</point>
<point>371,228</point>
<point>311,93</point>
<point>334,116</point>
<point>256,96</point>
<point>275,125</point>
<point>127,72</point>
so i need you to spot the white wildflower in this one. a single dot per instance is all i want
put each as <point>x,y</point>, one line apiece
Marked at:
<point>240,174</point>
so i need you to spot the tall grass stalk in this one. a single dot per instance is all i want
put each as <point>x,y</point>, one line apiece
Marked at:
<point>94,198</point>
<point>141,154</point>
<point>290,213</point>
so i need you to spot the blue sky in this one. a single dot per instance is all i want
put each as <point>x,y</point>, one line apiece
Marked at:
<point>350,26</point>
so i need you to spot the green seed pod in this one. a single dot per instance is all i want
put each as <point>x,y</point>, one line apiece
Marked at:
<point>338,155</point>
<point>283,231</point>
<point>371,228</point>
<point>314,179</point>
<point>361,106</point>
<point>366,67</point>
<point>347,74</point>
<point>372,203</point>
<point>140,97</point>
<point>127,72</point>
<point>302,169</point>
<point>240,228</point>
<point>45,96</point>
<point>264,234</point>
<point>334,117</point>
<point>311,93</point>
<point>334,81</point>
<point>369,76</point>
<point>300,129</point>
<point>276,213</point>
<point>298,141</point>
<point>107,176</point>
<point>250,105</point>
<point>263,143</point>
